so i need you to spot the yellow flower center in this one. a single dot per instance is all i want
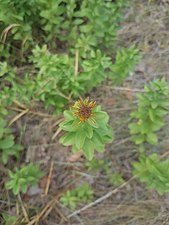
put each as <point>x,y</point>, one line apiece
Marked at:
<point>83,109</point>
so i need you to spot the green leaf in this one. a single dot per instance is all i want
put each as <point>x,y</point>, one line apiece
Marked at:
<point>80,138</point>
<point>152,138</point>
<point>102,117</point>
<point>157,124</point>
<point>145,127</point>
<point>152,114</point>
<point>95,125</point>
<point>4,158</point>
<point>71,125</point>
<point>138,139</point>
<point>68,115</point>
<point>68,138</point>
<point>75,149</point>
<point>24,188</point>
<point>161,111</point>
<point>134,128</point>
<point>97,140</point>
<point>16,189</point>
<point>106,134</point>
<point>154,105</point>
<point>88,130</point>
<point>88,149</point>
<point>1,131</point>
<point>6,143</point>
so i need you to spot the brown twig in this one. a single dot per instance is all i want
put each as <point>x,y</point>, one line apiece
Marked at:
<point>20,105</point>
<point>23,208</point>
<point>164,155</point>
<point>57,122</point>
<point>56,133</point>
<point>49,178</point>
<point>6,31</point>
<point>40,215</point>
<point>124,89</point>
<point>18,116</point>
<point>31,112</point>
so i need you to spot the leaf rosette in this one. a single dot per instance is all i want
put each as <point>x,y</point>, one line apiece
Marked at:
<point>85,133</point>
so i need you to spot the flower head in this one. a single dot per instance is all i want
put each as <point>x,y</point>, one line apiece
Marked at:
<point>83,109</point>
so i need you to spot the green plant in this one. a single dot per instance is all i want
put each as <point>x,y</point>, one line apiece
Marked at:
<point>84,193</point>
<point>55,80</point>
<point>8,93</point>
<point>96,164</point>
<point>83,132</point>
<point>98,21</point>
<point>7,144</point>
<point>8,219</point>
<point>21,179</point>
<point>95,69</point>
<point>68,199</point>
<point>149,117</point>
<point>126,59</point>
<point>153,172</point>
<point>115,178</point>
<point>80,194</point>
<point>84,25</point>
<point>3,69</point>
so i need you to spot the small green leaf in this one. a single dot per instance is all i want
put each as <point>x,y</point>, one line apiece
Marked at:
<point>68,138</point>
<point>88,149</point>
<point>6,143</point>
<point>134,128</point>
<point>1,131</point>
<point>152,138</point>
<point>152,114</point>
<point>16,189</point>
<point>102,117</point>
<point>88,130</point>
<point>95,125</point>
<point>97,140</point>
<point>71,125</point>
<point>154,105</point>
<point>4,158</point>
<point>68,115</point>
<point>80,138</point>
<point>138,139</point>
<point>75,149</point>
<point>24,188</point>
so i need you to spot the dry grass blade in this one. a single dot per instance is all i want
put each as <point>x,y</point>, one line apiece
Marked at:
<point>56,134</point>
<point>57,122</point>
<point>49,178</point>
<point>23,209</point>
<point>20,105</point>
<point>18,116</point>
<point>6,31</point>
<point>45,211</point>
<point>32,112</point>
